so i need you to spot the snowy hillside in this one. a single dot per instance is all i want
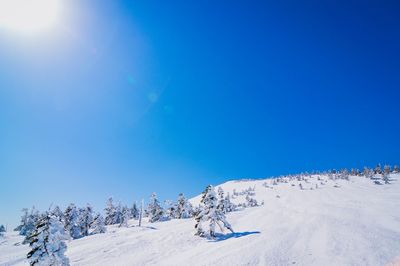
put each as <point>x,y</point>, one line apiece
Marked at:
<point>305,220</point>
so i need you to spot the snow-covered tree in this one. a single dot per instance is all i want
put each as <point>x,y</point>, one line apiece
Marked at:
<point>118,214</point>
<point>368,173</point>
<point>229,206</point>
<point>72,217</point>
<point>184,208</point>
<point>396,169</point>
<point>2,230</point>
<point>28,221</point>
<point>171,209</point>
<point>355,172</point>
<point>378,169</point>
<point>47,242</point>
<point>222,202</point>
<point>344,174</point>
<point>85,219</point>
<point>98,225</point>
<point>387,169</point>
<point>251,202</point>
<point>22,226</point>
<point>385,177</point>
<point>57,212</point>
<point>154,209</point>
<point>135,211</point>
<point>126,215</point>
<point>210,214</point>
<point>111,212</point>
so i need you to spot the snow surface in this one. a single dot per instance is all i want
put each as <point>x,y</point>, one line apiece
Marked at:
<point>342,222</point>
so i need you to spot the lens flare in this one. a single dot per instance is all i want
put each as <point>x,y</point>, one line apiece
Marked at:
<point>28,16</point>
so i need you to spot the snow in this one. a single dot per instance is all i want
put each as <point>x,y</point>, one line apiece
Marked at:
<point>342,222</point>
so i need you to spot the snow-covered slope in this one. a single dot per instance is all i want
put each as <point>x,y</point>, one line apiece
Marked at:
<point>328,222</point>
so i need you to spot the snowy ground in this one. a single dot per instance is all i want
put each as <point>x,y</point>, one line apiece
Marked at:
<point>341,222</point>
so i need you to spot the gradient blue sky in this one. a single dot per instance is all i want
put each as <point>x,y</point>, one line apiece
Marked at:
<point>129,97</point>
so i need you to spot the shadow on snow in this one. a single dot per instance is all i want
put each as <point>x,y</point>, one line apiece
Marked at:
<point>222,237</point>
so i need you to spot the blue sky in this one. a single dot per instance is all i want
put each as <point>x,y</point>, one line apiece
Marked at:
<point>129,97</point>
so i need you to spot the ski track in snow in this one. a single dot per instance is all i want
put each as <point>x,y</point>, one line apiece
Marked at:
<point>357,223</point>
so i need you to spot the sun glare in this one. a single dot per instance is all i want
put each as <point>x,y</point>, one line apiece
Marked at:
<point>28,16</point>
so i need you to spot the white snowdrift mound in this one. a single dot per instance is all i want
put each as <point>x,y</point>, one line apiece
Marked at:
<point>341,222</point>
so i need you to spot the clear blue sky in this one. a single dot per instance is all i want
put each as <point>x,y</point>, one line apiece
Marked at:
<point>130,97</point>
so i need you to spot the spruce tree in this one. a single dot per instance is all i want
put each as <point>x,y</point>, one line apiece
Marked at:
<point>24,218</point>
<point>85,220</point>
<point>387,169</point>
<point>98,225</point>
<point>171,209</point>
<point>385,178</point>
<point>57,212</point>
<point>378,169</point>
<point>251,202</point>
<point>28,221</point>
<point>2,230</point>
<point>184,208</point>
<point>154,209</point>
<point>396,169</point>
<point>72,219</point>
<point>118,214</point>
<point>135,211</point>
<point>368,173</point>
<point>229,206</point>
<point>111,212</point>
<point>47,242</point>
<point>126,215</point>
<point>221,200</point>
<point>29,224</point>
<point>210,213</point>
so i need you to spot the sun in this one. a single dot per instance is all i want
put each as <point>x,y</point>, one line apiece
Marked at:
<point>29,16</point>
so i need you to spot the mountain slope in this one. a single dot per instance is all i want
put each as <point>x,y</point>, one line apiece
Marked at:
<point>341,222</point>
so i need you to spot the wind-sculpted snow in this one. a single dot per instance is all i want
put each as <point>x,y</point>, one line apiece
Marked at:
<point>328,220</point>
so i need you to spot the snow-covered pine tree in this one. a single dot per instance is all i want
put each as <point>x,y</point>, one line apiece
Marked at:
<point>171,209</point>
<point>229,206</point>
<point>210,213</point>
<point>47,242</point>
<point>28,226</point>
<point>355,172</point>
<point>387,169</point>
<point>141,212</point>
<point>396,169</point>
<point>222,204</point>
<point>111,212</point>
<point>28,221</point>
<point>135,211</point>
<point>251,202</point>
<point>85,219</point>
<point>126,215</point>
<point>385,177</point>
<point>368,173</point>
<point>2,230</point>
<point>21,228</point>
<point>118,214</point>
<point>378,169</point>
<point>98,225</point>
<point>154,209</point>
<point>184,208</point>
<point>72,219</point>
<point>344,174</point>
<point>57,212</point>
